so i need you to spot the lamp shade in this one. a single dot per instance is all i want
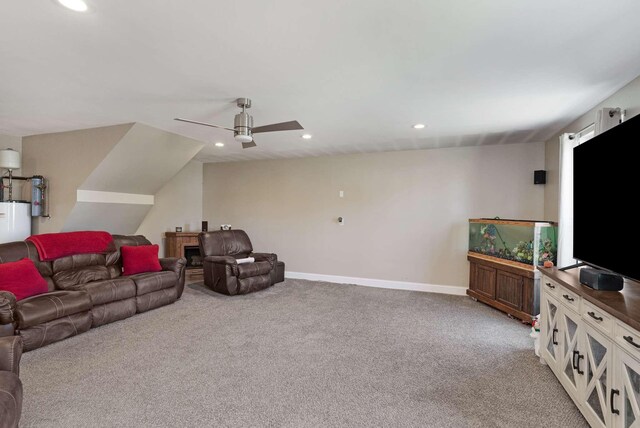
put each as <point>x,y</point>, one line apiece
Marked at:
<point>9,159</point>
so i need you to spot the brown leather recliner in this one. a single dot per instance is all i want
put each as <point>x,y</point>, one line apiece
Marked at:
<point>222,273</point>
<point>10,384</point>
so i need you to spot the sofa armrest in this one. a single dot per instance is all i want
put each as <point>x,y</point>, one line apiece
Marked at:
<point>177,265</point>
<point>10,353</point>
<point>7,307</point>
<point>173,263</point>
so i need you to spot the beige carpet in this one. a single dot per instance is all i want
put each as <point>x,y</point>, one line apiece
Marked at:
<point>301,354</point>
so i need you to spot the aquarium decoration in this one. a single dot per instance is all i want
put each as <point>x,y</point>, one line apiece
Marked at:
<point>523,241</point>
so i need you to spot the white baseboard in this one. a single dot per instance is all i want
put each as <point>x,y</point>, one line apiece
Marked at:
<point>380,283</point>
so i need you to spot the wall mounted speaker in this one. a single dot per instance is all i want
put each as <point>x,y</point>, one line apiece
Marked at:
<point>540,177</point>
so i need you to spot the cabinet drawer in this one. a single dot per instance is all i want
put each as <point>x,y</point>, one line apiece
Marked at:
<point>550,287</point>
<point>597,318</point>
<point>628,338</point>
<point>569,299</point>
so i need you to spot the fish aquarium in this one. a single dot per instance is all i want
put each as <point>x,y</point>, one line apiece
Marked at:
<point>522,241</point>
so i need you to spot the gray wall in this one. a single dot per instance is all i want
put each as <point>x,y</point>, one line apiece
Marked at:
<point>66,159</point>
<point>627,98</point>
<point>178,203</point>
<point>10,142</point>
<point>405,212</point>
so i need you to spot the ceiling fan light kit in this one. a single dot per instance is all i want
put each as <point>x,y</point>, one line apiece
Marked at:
<point>75,5</point>
<point>243,122</point>
<point>243,129</point>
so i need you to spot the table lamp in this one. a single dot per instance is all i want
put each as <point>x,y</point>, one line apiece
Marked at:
<point>10,159</point>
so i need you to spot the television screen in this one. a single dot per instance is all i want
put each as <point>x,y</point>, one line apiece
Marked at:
<point>606,183</point>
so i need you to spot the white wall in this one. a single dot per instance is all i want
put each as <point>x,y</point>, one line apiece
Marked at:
<point>178,203</point>
<point>405,212</point>
<point>626,98</point>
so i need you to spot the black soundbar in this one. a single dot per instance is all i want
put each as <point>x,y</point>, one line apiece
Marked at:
<point>601,280</point>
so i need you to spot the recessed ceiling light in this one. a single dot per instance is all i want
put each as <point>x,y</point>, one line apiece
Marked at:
<point>219,144</point>
<point>418,126</point>
<point>307,136</point>
<point>77,5</point>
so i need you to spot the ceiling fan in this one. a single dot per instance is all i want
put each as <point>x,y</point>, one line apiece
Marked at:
<point>243,129</point>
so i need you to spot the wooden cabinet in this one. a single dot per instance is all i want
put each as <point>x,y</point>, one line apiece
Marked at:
<point>594,354</point>
<point>483,280</point>
<point>184,244</point>
<point>512,289</point>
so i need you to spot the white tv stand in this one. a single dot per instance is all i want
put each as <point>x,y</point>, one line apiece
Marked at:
<point>591,341</point>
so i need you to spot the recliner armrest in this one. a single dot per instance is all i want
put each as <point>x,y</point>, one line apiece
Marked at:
<point>227,260</point>
<point>7,307</point>
<point>10,353</point>
<point>265,257</point>
<point>224,260</point>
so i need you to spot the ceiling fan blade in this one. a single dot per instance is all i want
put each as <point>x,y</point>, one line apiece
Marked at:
<point>205,124</point>
<point>249,145</point>
<point>283,126</point>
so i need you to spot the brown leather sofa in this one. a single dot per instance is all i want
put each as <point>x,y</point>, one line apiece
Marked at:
<point>223,274</point>
<point>85,291</point>
<point>10,384</point>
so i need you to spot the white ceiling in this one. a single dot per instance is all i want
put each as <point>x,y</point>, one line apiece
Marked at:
<point>356,74</point>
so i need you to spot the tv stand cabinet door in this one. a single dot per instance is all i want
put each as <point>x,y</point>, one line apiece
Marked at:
<point>550,348</point>
<point>483,280</point>
<point>509,289</point>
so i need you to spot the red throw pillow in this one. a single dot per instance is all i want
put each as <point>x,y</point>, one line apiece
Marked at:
<point>143,258</point>
<point>22,279</point>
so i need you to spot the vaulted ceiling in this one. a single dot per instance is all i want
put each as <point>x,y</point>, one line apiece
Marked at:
<point>356,74</point>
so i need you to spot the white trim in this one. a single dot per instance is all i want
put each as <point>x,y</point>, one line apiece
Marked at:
<point>381,283</point>
<point>113,197</point>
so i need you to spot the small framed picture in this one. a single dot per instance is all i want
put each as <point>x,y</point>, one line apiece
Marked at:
<point>178,229</point>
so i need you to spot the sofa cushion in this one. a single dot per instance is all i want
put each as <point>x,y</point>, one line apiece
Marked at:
<point>77,261</point>
<point>140,259</point>
<point>122,240</point>
<point>111,290</point>
<point>22,279</point>
<point>71,278</point>
<point>247,270</point>
<point>50,306</point>
<point>154,281</point>
<point>55,330</point>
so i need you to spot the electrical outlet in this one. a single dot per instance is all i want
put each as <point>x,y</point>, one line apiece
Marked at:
<point>341,221</point>
<point>341,194</point>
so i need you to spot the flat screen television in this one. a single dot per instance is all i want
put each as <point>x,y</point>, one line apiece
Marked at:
<point>606,186</point>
